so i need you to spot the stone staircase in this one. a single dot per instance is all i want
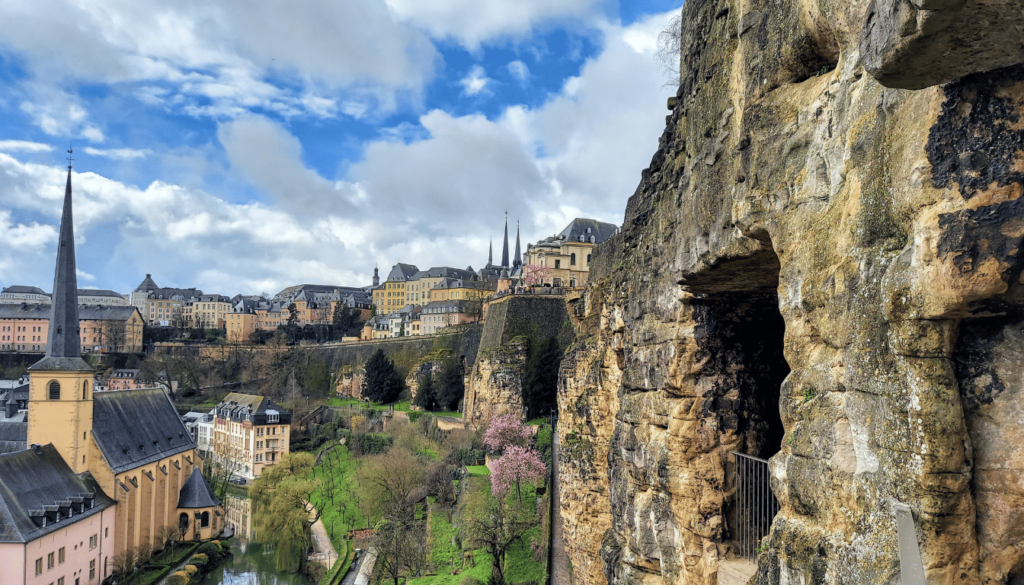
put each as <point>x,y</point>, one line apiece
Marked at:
<point>736,572</point>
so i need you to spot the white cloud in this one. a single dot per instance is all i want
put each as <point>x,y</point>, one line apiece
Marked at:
<point>83,275</point>
<point>118,153</point>
<point>474,22</point>
<point>475,81</point>
<point>519,70</point>
<point>431,193</point>
<point>24,146</point>
<point>223,58</point>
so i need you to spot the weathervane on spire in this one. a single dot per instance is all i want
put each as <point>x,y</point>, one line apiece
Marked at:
<point>70,150</point>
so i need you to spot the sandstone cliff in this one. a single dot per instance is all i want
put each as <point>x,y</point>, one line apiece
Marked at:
<point>821,266</point>
<point>495,381</point>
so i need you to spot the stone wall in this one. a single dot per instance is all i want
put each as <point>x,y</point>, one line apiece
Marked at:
<point>823,268</point>
<point>494,383</point>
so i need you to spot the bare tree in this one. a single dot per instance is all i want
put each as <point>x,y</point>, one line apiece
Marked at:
<point>125,561</point>
<point>669,51</point>
<point>495,526</point>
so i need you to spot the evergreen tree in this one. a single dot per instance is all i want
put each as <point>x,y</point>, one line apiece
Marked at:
<point>540,382</point>
<point>380,380</point>
<point>426,396</point>
<point>450,387</point>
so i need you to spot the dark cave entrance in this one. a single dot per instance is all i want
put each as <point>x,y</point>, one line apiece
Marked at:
<point>742,331</point>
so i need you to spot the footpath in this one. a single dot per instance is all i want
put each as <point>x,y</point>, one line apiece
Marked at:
<point>561,574</point>
<point>325,553</point>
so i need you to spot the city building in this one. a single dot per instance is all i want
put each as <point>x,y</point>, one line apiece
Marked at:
<point>457,289</point>
<point>417,288</point>
<point>57,527</point>
<point>564,259</point>
<point>132,443</point>
<point>209,312</point>
<point>250,433</point>
<point>24,294</point>
<point>441,314</point>
<point>102,329</point>
<point>162,306</point>
<point>96,296</point>
<point>14,399</point>
<point>392,295</point>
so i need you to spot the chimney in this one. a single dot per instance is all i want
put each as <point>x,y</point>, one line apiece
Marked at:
<point>37,448</point>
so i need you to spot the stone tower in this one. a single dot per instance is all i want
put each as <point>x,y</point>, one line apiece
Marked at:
<point>376,277</point>
<point>60,385</point>
<point>504,249</point>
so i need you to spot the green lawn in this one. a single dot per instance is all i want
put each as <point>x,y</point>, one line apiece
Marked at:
<point>342,466</point>
<point>520,566</point>
<point>478,471</point>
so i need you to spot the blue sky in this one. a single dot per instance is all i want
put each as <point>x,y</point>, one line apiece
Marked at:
<point>242,148</point>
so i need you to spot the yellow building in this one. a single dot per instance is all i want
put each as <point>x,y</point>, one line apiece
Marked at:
<point>454,289</point>
<point>133,442</point>
<point>249,433</point>
<point>564,259</point>
<point>419,286</point>
<point>392,297</point>
<point>240,326</point>
<point>210,312</point>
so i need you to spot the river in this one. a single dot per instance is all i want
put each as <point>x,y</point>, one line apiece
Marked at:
<point>251,563</point>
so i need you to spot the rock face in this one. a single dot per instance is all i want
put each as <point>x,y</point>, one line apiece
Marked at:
<point>494,383</point>
<point>822,271</point>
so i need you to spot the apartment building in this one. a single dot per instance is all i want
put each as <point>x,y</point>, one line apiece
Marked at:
<point>58,527</point>
<point>250,433</point>
<point>102,329</point>
<point>564,259</point>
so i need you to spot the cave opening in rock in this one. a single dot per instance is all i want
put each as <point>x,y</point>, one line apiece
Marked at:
<point>742,331</point>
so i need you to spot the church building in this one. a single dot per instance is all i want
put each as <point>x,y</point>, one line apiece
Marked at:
<point>132,443</point>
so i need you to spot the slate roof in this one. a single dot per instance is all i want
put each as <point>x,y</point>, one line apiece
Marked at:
<point>38,482</point>
<point>445,272</point>
<point>402,272</point>
<point>40,311</point>
<point>196,493</point>
<point>98,292</point>
<point>18,289</point>
<point>147,284</point>
<point>136,427</point>
<point>13,436</point>
<point>579,226</point>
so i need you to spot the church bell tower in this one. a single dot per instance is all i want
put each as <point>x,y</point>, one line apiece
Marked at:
<point>60,384</point>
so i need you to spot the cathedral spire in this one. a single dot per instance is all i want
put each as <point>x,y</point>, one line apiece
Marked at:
<point>490,253</point>
<point>504,250</point>
<point>63,336</point>
<point>517,261</point>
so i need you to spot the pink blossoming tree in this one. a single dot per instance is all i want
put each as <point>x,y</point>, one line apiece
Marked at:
<point>504,431</point>
<point>517,465</point>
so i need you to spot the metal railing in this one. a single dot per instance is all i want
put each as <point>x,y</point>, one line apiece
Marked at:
<point>756,505</point>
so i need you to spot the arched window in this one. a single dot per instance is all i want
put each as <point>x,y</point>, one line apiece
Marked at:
<point>204,520</point>
<point>572,259</point>
<point>54,390</point>
<point>85,390</point>
<point>588,259</point>
<point>183,522</point>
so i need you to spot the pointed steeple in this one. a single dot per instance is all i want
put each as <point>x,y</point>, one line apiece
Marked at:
<point>490,253</point>
<point>517,261</point>
<point>64,341</point>
<point>504,250</point>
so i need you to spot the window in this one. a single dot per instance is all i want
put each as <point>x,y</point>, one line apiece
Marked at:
<point>49,561</point>
<point>54,390</point>
<point>92,569</point>
<point>93,541</point>
<point>60,556</point>
<point>204,520</point>
<point>106,532</point>
<point>60,581</point>
<point>85,391</point>
<point>572,259</point>
<point>558,263</point>
<point>588,259</point>
<point>39,566</point>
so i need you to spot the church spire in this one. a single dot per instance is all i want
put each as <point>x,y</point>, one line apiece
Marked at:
<point>490,253</point>
<point>517,261</point>
<point>63,336</point>
<point>504,250</point>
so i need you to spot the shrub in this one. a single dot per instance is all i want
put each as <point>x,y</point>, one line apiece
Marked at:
<point>176,579</point>
<point>211,549</point>
<point>191,569</point>
<point>199,560</point>
<point>471,581</point>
